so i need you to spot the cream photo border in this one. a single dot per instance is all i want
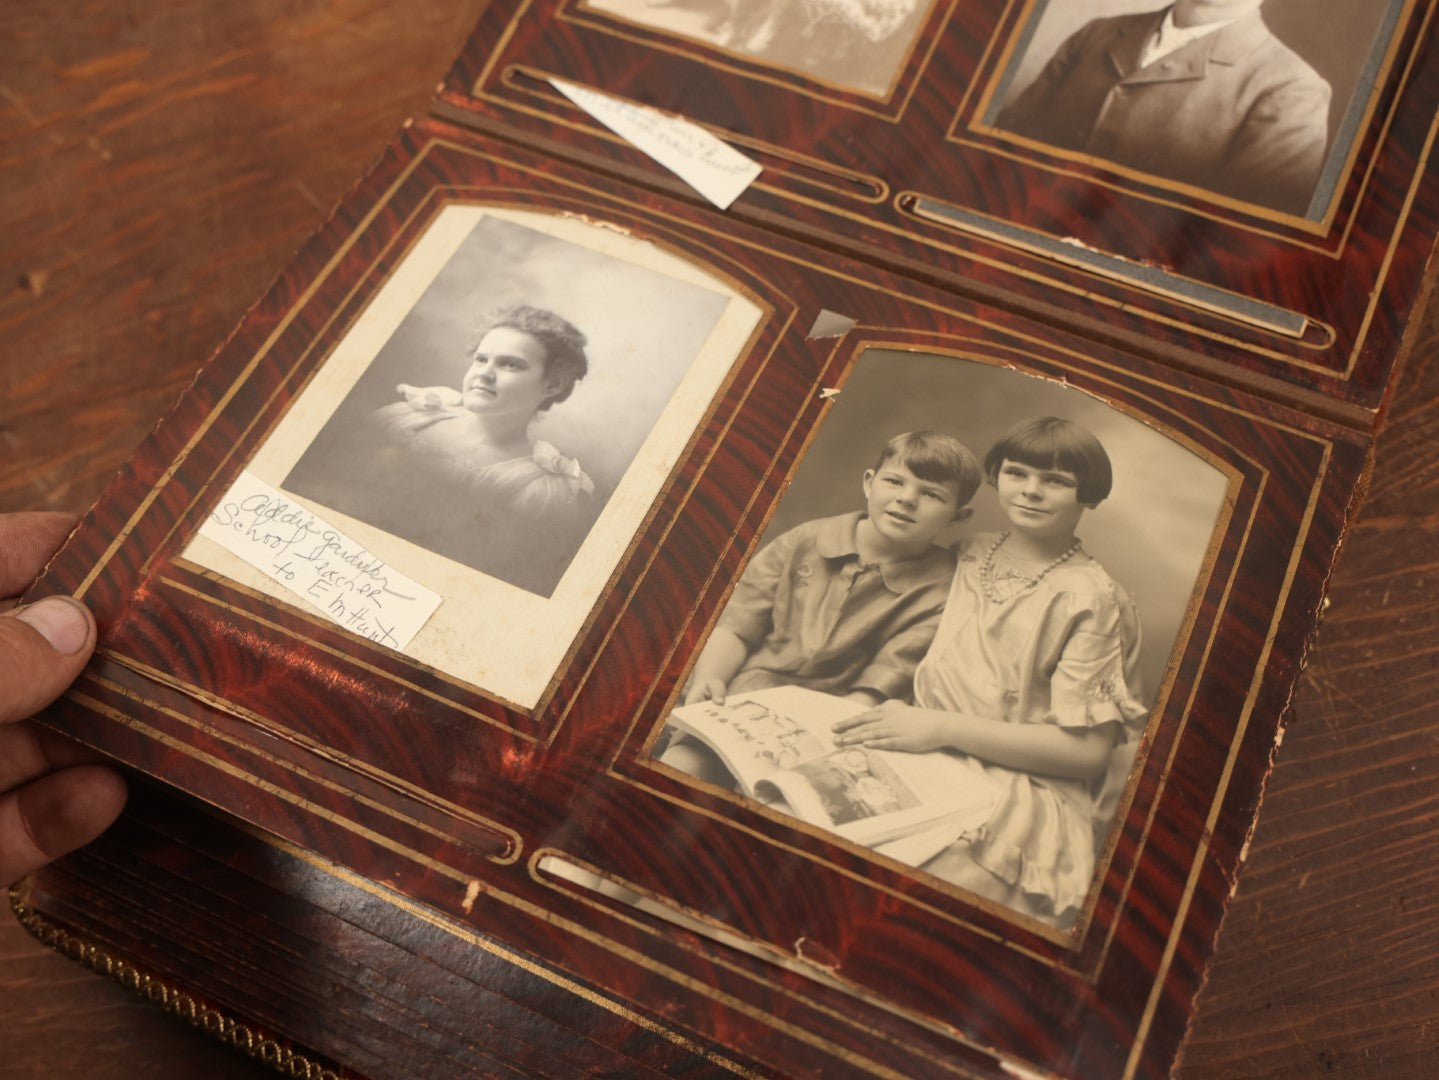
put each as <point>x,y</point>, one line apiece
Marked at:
<point>486,632</point>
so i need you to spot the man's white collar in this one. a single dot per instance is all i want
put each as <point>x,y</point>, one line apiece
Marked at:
<point>1170,37</point>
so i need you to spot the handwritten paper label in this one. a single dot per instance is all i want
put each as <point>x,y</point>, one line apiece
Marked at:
<point>715,169</point>
<point>337,576</point>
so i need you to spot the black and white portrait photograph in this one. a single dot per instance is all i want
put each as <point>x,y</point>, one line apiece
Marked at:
<point>497,420</point>
<point>496,425</point>
<point>949,641</point>
<point>1258,101</point>
<point>857,45</point>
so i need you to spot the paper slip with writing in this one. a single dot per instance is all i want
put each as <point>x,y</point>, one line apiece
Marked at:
<point>318,563</point>
<point>715,169</point>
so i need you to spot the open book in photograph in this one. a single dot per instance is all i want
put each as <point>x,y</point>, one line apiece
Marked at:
<point>780,748</point>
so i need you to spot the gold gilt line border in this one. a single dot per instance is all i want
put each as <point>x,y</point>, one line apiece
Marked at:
<point>478,93</point>
<point>1009,333</point>
<point>426,205</point>
<point>1197,867</point>
<point>319,623</point>
<point>439,921</point>
<point>298,801</point>
<point>429,205</point>
<point>313,746</point>
<point>1311,225</point>
<point>219,1025</point>
<point>732,939</point>
<point>1080,289</point>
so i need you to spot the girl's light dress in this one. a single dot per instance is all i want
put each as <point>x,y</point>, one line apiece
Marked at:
<point>1064,652</point>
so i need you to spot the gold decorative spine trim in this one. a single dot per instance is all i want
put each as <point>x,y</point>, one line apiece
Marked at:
<point>178,1003</point>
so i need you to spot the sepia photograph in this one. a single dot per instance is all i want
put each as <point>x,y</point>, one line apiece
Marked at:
<point>1258,101</point>
<point>859,45</point>
<point>949,641</point>
<point>495,427</point>
<point>484,429</point>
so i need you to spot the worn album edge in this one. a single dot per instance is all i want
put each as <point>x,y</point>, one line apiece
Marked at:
<point>177,1002</point>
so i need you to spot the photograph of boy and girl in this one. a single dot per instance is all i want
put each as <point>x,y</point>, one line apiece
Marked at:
<point>981,606</point>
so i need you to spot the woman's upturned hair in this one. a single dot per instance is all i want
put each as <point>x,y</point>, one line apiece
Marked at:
<point>1050,442</point>
<point>936,457</point>
<point>564,343</point>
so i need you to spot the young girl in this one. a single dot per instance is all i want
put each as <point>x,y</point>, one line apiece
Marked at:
<point>1033,672</point>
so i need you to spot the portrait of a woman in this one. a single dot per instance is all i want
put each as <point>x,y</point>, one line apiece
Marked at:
<point>477,428</point>
<point>455,469</point>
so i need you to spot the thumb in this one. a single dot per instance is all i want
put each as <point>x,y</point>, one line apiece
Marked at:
<point>43,646</point>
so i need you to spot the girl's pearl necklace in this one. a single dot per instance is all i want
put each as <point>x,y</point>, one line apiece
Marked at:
<point>986,571</point>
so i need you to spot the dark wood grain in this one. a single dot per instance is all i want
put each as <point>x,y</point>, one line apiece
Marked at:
<point>161,160</point>
<point>160,163</point>
<point>1328,963</point>
<point>1325,981</point>
<point>62,1020</point>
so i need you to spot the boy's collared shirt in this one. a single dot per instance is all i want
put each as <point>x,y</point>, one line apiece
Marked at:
<point>815,615</point>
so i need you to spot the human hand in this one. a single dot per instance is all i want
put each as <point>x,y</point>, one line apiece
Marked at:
<point>896,726</point>
<point>706,689</point>
<point>52,800</point>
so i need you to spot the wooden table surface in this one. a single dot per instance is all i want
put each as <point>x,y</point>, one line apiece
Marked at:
<point>158,163</point>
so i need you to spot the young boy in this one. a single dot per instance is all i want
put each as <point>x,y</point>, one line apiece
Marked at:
<point>846,605</point>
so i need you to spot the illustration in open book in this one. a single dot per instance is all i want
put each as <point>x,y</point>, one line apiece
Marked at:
<point>779,747</point>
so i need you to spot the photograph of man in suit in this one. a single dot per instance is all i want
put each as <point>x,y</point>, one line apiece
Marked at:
<point>1201,92</point>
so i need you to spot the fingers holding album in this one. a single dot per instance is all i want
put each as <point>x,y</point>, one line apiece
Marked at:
<point>55,814</point>
<point>50,800</point>
<point>48,804</point>
<point>43,646</point>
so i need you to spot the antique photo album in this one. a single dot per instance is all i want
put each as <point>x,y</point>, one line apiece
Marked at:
<point>842,635</point>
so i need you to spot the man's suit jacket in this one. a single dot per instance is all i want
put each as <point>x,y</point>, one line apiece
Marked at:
<point>1235,112</point>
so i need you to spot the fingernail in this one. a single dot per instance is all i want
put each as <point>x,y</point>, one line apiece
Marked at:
<point>60,622</point>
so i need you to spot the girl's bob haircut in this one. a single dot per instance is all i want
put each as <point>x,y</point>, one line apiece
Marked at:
<point>1051,442</point>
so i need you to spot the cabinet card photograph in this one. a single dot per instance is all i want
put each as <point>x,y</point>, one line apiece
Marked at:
<point>859,45</point>
<point>494,429</point>
<point>935,650</point>
<point>1258,101</point>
